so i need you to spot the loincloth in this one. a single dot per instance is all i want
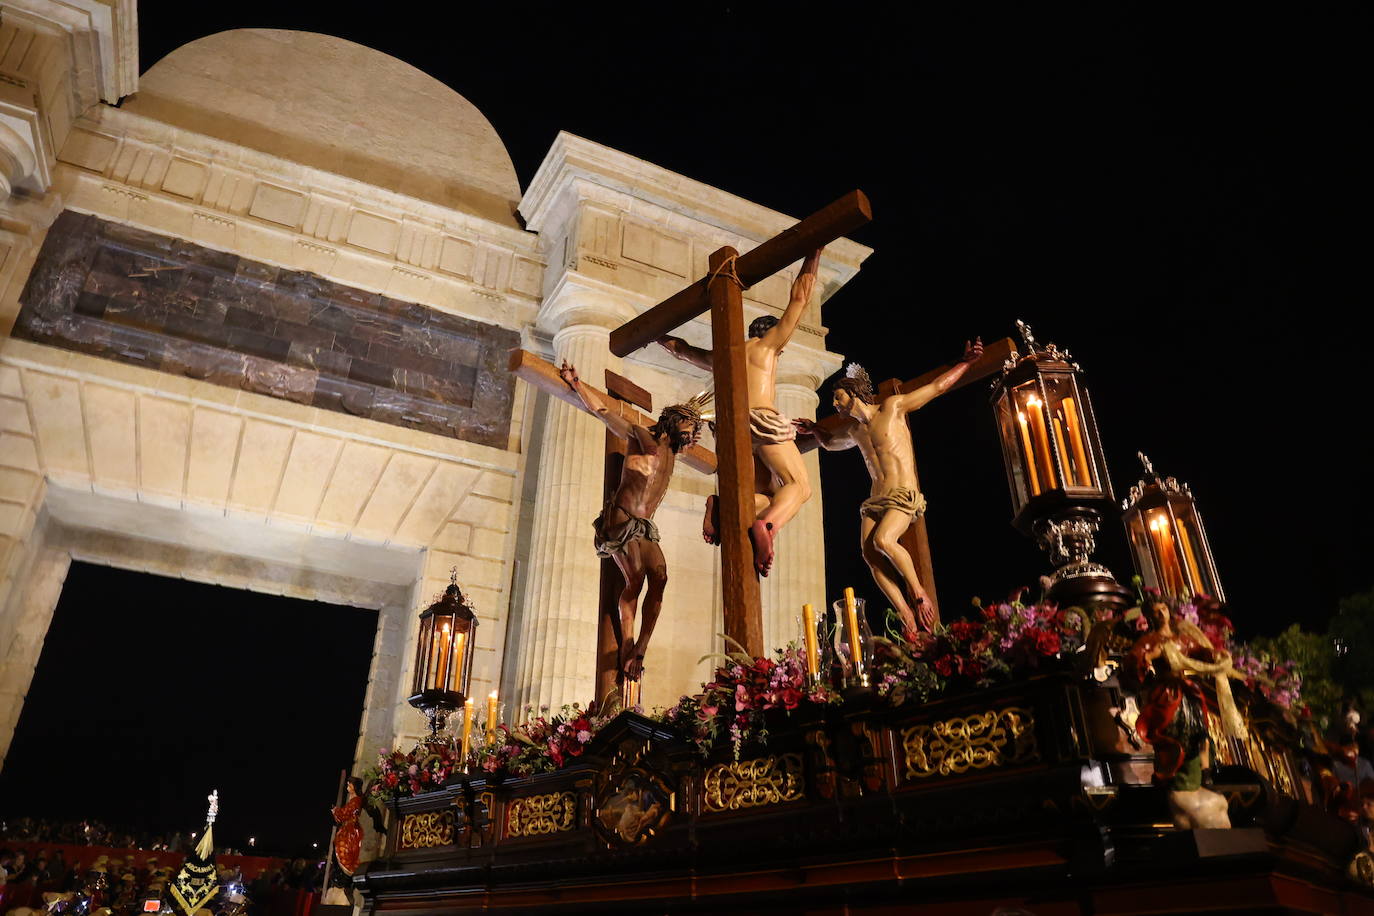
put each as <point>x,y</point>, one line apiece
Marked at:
<point>768,427</point>
<point>634,529</point>
<point>903,499</point>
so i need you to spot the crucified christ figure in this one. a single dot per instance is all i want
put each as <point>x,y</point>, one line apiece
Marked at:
<point>625,531</point>
<point>883,436</point>
<point>781,486</point>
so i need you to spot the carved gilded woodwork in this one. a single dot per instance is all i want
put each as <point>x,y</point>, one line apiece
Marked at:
<point>753,783</point>
<point>996,738</point>
<point>538,815</point>
<point>427,830</point>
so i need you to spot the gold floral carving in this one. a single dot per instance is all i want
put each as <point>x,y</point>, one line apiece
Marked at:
<point>995,738</point>
<point>427,830</point>
<point>536,815</point>
<point>753,783</point>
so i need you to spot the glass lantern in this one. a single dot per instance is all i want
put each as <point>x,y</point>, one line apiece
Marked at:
<point>1168,540</point>
<point>1055,467</point>
<point>443,655</point>
<point>1050,445</point>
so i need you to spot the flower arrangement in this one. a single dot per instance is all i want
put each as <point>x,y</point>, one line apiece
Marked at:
<point>1005,640</point>
<point>541,743</point>
<point>399,774</point>
<point>739,695</point>
<point>1000,642</point>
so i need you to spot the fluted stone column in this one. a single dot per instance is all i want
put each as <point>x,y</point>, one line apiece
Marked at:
<point>798,574</point>
<point>558,637</point>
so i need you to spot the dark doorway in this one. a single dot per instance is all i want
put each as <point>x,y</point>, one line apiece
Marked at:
<point>152,691</point>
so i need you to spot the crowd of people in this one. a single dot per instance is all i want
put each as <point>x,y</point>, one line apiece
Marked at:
<point>125,871</point>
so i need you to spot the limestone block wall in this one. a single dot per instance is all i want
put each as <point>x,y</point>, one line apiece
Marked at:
<point>243,467</point>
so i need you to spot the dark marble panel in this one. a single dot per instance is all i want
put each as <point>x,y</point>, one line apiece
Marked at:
<point>122,293</point>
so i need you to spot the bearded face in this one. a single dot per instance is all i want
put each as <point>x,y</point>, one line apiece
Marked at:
<point>682,430</point>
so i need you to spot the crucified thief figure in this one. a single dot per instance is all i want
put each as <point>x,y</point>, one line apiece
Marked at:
<point>625,531</point>
<point>883,436</point>
<point>781,486</point>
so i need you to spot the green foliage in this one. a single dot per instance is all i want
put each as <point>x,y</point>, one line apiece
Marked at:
<point>1352,635</point>
<point>1311,653</point>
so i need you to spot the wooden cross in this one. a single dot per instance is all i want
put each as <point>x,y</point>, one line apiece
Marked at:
<point>916,539</point>
<point>719,293</point>
<point>625,396</point>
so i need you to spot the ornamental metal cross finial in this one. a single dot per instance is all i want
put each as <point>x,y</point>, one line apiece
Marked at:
<point>1027,336</point>
<point>213,798</point>
<point>1149,468</point>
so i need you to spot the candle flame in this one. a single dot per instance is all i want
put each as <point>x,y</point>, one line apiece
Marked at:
<point>1033,401</point>
<point>492,695</point>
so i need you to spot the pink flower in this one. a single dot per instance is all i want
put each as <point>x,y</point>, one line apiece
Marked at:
<point>741,698</point>
<point>584,736</point>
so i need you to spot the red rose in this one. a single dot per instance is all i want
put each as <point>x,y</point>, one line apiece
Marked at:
<point>1046,642</point>
<point>946,665</point>
<point>974,668</point>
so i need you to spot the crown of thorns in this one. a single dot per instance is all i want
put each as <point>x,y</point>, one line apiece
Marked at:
<point>859,376</point>
<point>694,408</point>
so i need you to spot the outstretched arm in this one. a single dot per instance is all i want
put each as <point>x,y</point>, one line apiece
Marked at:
<point>831,439</point>
<point>802,288</point>
<point>686,352</point>
<point>596,403</point>
<point>914,400</point>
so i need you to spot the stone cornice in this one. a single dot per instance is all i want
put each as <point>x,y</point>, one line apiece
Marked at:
<point>124,125</point>
<point>576,168</point>
<point>105,33</point>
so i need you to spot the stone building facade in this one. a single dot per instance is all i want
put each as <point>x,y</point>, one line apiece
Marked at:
<point>255,328</point>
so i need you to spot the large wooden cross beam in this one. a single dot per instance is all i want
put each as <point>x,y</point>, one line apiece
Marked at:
<point>719,293</point>
<point>543,375</point>
<point>916,539</point>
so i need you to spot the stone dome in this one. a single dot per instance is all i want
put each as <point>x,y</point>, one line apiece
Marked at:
<point>335,105</point>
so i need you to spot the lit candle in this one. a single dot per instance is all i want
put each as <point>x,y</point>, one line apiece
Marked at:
<point>1063,445</point>
<point>455,663</point>
<point>467,726</point>
<point>1077,442</point>
<point>1168,559</point>
<point>1193,571</point>
<point>441,646</point>
<point>491,716</point>
<point>851,612</point>
<point>432,672</point>
<point>1034,475</point>
<point>1042,439</point>
<point>813,661</point>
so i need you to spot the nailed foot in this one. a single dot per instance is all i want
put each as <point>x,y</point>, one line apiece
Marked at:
<point>710,525</point>
<point>925,613</point>
<point>761,534</point>
<point>627,654</point>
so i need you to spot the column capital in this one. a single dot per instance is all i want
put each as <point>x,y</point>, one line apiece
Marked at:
<point>806,367</point>
<point>580,300</point>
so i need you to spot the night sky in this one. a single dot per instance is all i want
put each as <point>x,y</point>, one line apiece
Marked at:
<point>1179,200</point>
